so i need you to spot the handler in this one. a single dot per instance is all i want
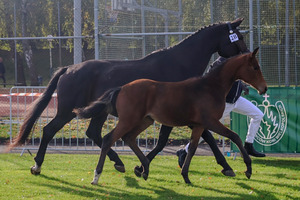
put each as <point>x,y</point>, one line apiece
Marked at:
<point>238,104</point>
<point>2,72</point>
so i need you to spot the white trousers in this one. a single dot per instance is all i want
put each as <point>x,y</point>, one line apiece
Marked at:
<point>244,107</point>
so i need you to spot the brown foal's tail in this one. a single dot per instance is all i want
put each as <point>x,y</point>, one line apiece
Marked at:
<point>105,103</point>
<point>36,110</point>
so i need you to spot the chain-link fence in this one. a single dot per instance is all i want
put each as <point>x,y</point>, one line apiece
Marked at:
<point>130,29</point>
<point>37,37</point>
<point>125,24</point>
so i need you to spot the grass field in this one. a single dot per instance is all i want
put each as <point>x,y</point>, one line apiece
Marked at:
<point>68,176</point>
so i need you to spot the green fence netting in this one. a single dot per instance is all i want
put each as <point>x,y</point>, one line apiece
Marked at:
<point>279,130</point>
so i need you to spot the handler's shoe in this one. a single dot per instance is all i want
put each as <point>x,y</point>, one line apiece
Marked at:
<point>181,153</point>
<point>251,151</point>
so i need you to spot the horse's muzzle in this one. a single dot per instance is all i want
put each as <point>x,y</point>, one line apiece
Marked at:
<point>263,91</point>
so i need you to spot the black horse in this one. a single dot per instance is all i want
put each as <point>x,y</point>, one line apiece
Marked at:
<point>80,84</point>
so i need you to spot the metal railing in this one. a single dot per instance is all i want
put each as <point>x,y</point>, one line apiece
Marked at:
<point>70,138</point>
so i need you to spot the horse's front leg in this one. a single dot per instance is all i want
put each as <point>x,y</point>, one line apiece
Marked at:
<point>227,170</point>
<point>247,160</point>
<point>48,133</point>
<point>196,134</point>
<point>94,133</point>
<point>162,141</point>
<point>218,127</point>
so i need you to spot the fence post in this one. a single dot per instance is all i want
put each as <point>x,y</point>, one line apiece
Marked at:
<point>287,40</point>
<point>96,31</point>
<point>251,23</point>
<point>10,117</point>
<point>77,32</point>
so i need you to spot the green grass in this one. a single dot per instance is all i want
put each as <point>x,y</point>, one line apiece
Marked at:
<point>68,176</point>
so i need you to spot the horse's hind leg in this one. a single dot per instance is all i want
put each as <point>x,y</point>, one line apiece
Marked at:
<point>130,139</point>
<point>227,170</point>
<point>162,141</point>
<point>109,139</point>
<point>48,133</point>
<point>107,143</point>
<point>124,126</point>
<point>218,127</point>
<point>94,133</point>
<point>196,134</point>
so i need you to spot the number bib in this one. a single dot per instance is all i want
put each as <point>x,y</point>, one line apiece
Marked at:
<point>233,37</point>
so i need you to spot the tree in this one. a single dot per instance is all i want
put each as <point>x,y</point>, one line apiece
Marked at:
<point>26,46</point>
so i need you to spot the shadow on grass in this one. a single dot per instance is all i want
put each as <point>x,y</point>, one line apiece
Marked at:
<point>281,182</point>
<point>67,187</point>
<point>166,193</point>
<point>131,182</point>
<point>263,194</point>
<point>161,192</point>
<point>101,191</point>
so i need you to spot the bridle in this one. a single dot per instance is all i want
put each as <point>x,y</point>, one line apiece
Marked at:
<point>235,40</point>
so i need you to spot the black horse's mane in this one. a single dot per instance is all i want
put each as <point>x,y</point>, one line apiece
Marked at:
<point>204,28</point>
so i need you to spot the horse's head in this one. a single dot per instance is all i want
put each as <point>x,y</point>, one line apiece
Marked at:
<point>250,72</point>
<point>232,42</point>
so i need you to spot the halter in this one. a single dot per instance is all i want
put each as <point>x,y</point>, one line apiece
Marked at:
<point>229,27</point>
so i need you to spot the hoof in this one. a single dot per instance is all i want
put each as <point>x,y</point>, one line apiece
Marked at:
<point>120,168</point>
<point>94,183</point>
<point>228,173</point>
<point>34,171</point>
<point>145,176</point>
<point>138,171</point>
<point>248,174</point>
<point>96,178</point>
<point>187,180</point>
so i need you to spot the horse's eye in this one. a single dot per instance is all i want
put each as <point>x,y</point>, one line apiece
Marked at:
<point>256,67</point>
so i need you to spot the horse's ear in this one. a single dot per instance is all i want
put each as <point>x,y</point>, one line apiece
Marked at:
<point>237,22</point>
<point>252,59</point>
<point>255,52</point>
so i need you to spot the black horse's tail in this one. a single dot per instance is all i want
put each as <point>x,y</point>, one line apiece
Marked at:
<point>105,103</point>
<point>36,110</point>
